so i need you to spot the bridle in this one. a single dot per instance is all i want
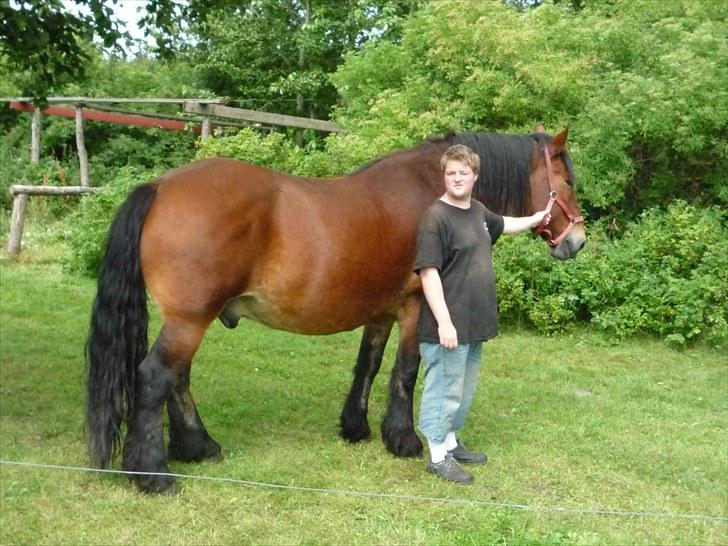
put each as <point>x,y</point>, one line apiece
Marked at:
<point>542,228</point>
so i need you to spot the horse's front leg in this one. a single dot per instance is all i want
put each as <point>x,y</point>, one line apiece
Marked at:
<point>188,437</point>
<point>398,432</point>
<point>354,423</point>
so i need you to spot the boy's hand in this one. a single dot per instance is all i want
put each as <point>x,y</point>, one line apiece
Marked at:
<point>448,336</point>
<point>515,225</point>
<point>539,216</point>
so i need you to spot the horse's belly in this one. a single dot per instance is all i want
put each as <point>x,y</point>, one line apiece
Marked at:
<point>314,319</point>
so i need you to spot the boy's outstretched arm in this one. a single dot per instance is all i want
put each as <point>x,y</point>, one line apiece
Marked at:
<point>512,224</point>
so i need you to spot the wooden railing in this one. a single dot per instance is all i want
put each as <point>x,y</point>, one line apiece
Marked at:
<point>20,195</point>
<point>204,110</point>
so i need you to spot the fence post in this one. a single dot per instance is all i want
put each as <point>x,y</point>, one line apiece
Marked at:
<point>35,131</point>
<point>20,203</point>
<point>81,146</point>
<point>205,131</point>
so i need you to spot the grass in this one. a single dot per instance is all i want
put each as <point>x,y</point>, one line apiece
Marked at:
<point>568,422</point>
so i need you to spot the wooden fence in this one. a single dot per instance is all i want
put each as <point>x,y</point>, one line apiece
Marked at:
<point>106,110</point>
<point>20,195</point>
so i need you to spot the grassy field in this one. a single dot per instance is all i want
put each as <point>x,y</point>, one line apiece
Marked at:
<point>569,422</point>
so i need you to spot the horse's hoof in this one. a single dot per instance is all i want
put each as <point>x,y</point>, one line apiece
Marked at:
<point>159,485</point>
<point>355,432</point>
<point>354,426</point>
<point>208,450</point>
<point>213,453</point>
<point>404,445</point>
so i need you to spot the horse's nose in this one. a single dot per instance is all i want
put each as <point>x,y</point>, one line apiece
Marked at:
<point>575,245</point>
<point>569,247</point>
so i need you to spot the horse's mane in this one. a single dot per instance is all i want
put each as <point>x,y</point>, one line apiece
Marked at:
<point>505,166</point>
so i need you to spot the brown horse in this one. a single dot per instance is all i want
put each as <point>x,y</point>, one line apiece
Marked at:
<point>222,238</point>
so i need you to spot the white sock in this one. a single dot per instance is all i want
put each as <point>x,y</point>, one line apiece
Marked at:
<point>437,451</point>
<point>451,441</point>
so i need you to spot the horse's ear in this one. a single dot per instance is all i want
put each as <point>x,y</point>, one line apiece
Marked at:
<point>558,143</point>
<point>539,128</point>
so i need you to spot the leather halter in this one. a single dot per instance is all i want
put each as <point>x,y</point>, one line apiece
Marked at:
<point>542,228</point>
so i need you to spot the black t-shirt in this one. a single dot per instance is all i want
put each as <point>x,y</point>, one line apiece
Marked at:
<point>458,243</point>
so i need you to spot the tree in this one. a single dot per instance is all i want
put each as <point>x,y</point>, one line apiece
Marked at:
<point>278,55</point>
<point>271,54</point>
<point>641,83</point>
<point>46,45</point>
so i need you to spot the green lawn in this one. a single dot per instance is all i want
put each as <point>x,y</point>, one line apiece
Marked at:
<point>568,422</point>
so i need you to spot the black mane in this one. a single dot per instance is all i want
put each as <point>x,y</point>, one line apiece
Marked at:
<point>505,166</point>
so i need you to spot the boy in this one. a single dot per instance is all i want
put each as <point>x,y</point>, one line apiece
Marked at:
<point>459,309</point>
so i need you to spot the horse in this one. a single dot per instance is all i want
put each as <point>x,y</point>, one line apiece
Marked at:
<point>220,238</point>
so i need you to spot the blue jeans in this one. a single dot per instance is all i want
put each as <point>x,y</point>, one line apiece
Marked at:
<point>450,379</point>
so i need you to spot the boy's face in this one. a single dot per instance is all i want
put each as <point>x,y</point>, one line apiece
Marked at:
<point>459,181</point>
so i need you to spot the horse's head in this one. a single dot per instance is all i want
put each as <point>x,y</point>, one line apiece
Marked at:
<point>552,187</point>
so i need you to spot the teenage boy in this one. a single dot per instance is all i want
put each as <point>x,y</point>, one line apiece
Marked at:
<point>459,310</point>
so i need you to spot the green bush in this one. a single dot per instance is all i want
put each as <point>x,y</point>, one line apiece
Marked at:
<point>273,150</point>
<point>15,168</point>
<point>86,229</point>
<point>341,155</point>
<point>669,268</point>
<point>664,276</point>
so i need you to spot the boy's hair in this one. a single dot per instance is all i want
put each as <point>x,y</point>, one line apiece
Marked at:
<point>460,152</point>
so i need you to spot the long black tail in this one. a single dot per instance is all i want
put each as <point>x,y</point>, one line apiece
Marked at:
<point>117,340</point>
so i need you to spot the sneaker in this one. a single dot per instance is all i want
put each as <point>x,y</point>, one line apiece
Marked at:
<point>448,469</point>
<point>463,455</point>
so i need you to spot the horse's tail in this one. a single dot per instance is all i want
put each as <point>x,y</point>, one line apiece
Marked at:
<point>117,340</point>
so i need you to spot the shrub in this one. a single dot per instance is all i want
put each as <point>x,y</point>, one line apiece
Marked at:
<point>273,150</point>
<point>341,154</point>
<point>86,229</point>
<point>664,276</point>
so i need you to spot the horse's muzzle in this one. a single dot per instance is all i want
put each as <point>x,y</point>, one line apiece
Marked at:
<point>569,246</point>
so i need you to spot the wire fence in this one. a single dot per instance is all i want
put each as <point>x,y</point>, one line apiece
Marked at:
<point>377,495</point>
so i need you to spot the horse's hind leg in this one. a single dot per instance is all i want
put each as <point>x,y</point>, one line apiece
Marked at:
<point>354,424</point>
<point>188,437</point>
<point>157,375</point>
<point>397,428</point>
<point>144,444</point>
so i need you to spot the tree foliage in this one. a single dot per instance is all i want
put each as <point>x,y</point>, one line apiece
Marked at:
<point>642,86</point>
<point>44,45</point>
<point>278,55</point>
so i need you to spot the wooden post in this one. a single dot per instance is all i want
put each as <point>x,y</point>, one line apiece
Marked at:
<point>20,195</point>
<point>301,67</point>
<point>35,131</point>
<point>205,131</point>
<point>20,204</point>
<point>81,146</point>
